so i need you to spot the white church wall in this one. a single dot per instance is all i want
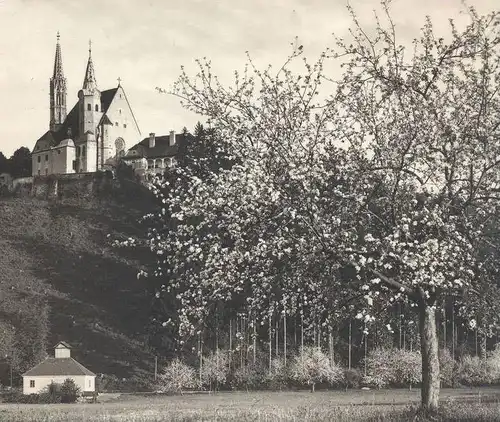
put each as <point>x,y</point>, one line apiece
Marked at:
<point>124,125</point>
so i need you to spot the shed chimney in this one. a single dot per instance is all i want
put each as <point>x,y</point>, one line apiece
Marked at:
<point>172,138</point>
<point>62,350</point>
<point>151,140</point>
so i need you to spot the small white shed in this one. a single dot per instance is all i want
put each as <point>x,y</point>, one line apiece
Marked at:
<point>58,369</point>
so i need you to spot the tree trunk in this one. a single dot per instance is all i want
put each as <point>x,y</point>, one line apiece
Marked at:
<point>430,358</point>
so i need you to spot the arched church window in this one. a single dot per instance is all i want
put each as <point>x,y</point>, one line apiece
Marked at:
<point>96,107</point>
<point>120,147</point>
<point>89,107</point>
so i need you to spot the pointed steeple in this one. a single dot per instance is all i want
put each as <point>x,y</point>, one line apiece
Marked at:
<point>58,67</point>
<point>90,83</point>
<point>57,91</point>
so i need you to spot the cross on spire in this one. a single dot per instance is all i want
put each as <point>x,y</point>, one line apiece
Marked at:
<point>119,80</point>
<point>90,47</point>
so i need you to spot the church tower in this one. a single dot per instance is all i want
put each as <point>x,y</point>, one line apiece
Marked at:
<point>57,92</point>
<point>90,99</point>
<point>90,116</point>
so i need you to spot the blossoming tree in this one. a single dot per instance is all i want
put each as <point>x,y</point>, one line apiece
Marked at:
<point>379,184</point>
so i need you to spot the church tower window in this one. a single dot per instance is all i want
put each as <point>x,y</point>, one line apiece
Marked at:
<point>96,107</point>
<point>89,107</point>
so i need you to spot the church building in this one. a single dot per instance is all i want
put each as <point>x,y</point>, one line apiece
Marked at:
<point>95,133</point>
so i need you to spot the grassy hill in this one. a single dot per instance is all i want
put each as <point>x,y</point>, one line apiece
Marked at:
<point>59,250</point>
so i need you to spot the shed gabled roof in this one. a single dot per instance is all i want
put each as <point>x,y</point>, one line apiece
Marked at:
<point>58,367</point>
<point>63,343</point>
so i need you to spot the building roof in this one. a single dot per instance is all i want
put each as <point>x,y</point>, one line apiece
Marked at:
<point>162,147</point>
<point>58,367</point>
<point>63,343</point>
<point>71,126</point>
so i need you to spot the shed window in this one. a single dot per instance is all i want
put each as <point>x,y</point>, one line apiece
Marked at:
<point>32,383</point>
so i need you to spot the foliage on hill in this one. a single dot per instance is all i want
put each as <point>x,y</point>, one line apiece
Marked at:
<point>60,279</point>
<point>18,165</point>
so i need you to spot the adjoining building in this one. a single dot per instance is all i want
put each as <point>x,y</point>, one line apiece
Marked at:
<point>93,135</point>
<point>57,369</point>
<point>155,154</point>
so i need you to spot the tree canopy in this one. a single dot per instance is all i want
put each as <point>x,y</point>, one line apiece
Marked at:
<point>380,184</point>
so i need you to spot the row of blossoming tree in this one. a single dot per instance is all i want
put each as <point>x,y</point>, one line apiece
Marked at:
<point>376,187</point>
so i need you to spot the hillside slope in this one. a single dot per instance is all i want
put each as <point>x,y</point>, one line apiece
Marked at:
<point>59,250</point>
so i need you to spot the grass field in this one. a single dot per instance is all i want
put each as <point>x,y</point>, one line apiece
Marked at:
<point>385,405</point>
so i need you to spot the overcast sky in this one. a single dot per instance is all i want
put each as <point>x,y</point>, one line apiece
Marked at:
<point>144,42</point>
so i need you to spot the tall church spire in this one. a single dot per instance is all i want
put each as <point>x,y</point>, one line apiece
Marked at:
<point>90,83</point>
<point>57,91</point>
<point>58,67</point>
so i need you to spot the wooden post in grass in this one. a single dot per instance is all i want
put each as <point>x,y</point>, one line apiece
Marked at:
<point>302,332</point>
<point>453,331</point>
<point>444,327</point>
<point>254,340</point>
<point>400,328</point>
<point>270,341</point>
<point>295,331</point>
<point>156,366</point>
<point>277,335</point>
<point>330,345</point>
<point>350,338</point>
<point>200,349</point>
<point>230,334</point>
<point>477,350</point>
<point>366,346</point>
<point>284,333</point>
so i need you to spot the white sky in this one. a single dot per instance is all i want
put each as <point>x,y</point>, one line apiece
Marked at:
<point>146,41</point>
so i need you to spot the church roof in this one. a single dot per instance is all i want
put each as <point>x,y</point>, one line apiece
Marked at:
<point>106,98</point>
<point>58,367</point>
<point>71,126</point>
<point>162,147</point>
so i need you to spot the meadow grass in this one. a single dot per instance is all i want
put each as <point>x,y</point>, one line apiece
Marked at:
<point>386,405</point>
